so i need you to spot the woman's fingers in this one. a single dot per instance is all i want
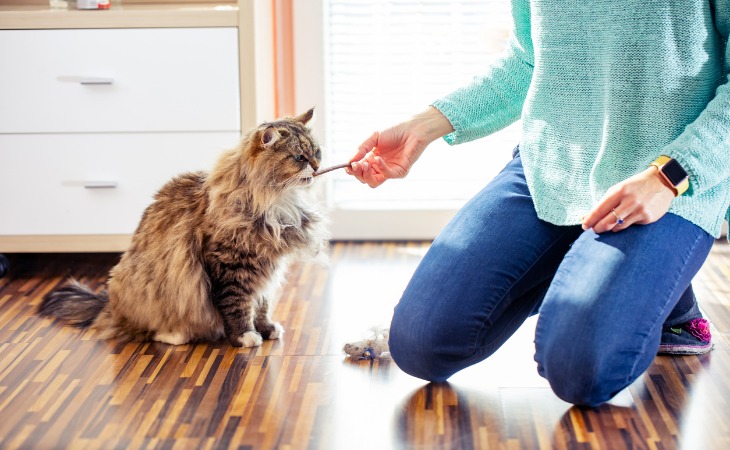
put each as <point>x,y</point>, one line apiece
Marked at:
<point>641,199</point>
<point>615,220</point>
<point>624,215</point>
<point>363,171</point>
<point>357,168</point>
<point>619,220</point>
<point>367,146</point>
<point>598,218</point>
<point>370,170</point>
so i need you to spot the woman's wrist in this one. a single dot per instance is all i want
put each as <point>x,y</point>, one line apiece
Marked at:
<point>653,173</point>
<point>431,124</point>
<point>672,174</point>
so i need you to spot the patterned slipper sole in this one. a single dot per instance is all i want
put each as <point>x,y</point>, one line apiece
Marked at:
<point>679,349</point>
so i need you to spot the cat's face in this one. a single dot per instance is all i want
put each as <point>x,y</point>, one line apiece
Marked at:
<point>287,153</point>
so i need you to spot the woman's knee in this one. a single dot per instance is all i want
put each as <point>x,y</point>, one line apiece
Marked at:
<point>576,378</point>
<point>426,349</point>
<point>583,369</point>
<point>413,358</point>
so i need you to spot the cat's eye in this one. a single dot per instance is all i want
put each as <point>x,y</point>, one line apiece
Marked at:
<point>299,158</point>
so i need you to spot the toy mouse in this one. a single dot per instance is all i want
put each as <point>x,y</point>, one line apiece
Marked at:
<point>373,347</point>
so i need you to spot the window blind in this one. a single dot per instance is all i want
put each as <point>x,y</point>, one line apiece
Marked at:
<point>387,60</point>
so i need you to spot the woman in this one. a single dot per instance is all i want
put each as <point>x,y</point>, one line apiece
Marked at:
<point>607,211</point>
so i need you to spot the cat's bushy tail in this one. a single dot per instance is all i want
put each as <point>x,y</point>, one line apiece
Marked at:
<point>74,302</point>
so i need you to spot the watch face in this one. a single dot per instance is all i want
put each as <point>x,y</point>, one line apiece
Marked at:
<point>674,172</point>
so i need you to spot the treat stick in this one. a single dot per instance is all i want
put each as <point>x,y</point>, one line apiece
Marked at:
<point>330,169</point>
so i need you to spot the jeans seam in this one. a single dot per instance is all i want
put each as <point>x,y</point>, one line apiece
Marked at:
<point>678,274</point>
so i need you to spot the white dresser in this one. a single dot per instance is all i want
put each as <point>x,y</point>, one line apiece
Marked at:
<point>93,121</point>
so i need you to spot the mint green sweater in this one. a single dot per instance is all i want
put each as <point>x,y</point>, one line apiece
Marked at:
<point>604,87</point>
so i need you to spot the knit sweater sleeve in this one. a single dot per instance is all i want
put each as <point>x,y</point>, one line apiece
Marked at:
<point>494,100</point>
<point>703,148</point>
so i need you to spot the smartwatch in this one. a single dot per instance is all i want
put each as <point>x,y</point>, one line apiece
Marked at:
<point>673,173</point>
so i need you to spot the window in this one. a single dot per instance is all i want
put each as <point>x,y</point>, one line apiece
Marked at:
<point>381,62</point>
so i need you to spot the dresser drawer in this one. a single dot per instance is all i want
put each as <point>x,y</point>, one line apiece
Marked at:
<point>93,184</point>
<point>119,80</point>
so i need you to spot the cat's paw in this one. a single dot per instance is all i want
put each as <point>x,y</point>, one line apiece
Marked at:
<point>270,330</point>
<point>277,332</point>
<point>249,339</point>
<point>170,338</point>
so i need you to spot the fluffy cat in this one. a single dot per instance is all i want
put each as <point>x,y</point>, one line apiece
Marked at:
<point>210,251</point>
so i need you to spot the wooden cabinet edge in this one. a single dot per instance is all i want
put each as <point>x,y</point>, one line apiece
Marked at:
<point>94,243</point>
<point>133,16</point>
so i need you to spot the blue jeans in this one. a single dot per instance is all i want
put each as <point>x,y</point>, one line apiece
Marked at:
<point>602,299</point>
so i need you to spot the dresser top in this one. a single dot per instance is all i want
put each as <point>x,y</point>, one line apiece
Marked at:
<point>19,17</point>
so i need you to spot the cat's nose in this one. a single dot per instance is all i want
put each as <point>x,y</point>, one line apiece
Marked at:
<point>314,164</point>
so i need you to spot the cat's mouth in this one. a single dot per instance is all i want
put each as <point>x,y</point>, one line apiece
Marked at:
<point>306,181</point>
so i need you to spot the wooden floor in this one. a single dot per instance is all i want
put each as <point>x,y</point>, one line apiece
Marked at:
<point>62,388</point>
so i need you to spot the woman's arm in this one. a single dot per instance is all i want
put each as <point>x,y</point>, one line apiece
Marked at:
<point>703,148</point>
<point>494,100</point>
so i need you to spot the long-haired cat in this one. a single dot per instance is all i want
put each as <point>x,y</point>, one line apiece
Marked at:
<point>210,251</point>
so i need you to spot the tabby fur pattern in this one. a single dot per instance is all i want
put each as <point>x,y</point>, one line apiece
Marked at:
<point>210,252</point>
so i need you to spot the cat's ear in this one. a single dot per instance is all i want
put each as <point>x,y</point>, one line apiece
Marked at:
<point>269,136</point>
<point>306,117</point>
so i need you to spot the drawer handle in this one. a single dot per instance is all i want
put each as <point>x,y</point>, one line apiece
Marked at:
<point>95,80</point>
<point>100,184</point>
<point>87,81</point>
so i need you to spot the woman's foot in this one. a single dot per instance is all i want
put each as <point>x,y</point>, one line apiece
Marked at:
<point>689,338</point>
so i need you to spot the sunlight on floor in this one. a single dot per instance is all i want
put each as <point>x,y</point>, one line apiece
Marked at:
<point>364,295</point>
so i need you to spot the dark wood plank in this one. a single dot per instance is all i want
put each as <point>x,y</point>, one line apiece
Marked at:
<point>61,387</point>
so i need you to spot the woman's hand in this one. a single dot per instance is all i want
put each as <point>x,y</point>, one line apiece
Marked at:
<point>641,199</point>
<point>391,153</point>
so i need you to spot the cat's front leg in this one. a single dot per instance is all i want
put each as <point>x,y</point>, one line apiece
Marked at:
<point>237,312</point>
<point>264,325</point>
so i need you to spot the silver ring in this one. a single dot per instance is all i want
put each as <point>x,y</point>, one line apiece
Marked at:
<point>619,220</point>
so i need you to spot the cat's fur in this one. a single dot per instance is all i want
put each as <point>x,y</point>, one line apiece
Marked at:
<point>210,251</point>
